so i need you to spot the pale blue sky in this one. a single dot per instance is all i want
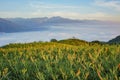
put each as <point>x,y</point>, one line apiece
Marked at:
<point>76,9</point>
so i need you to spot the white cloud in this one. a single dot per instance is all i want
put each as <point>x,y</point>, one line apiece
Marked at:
<point>74,12</point>
<point>76,15</point>
<point>40,5</point>
<point>113,4</point>
<point>9,14</point>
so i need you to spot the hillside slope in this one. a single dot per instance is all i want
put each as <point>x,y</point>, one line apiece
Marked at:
<point>76,42</point>
<point>58,61</point>
<point>115,40</point>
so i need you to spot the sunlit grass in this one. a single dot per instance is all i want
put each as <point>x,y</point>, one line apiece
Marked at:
<point>56,61</point>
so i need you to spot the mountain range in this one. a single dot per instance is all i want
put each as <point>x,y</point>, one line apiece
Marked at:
<point>9,25</point>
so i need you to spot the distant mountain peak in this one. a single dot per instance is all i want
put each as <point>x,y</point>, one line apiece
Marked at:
<point>56,17</point>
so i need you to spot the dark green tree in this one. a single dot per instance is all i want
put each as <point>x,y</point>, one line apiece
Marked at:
<point>53,40</point>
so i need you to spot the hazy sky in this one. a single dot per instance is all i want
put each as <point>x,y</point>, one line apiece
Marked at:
<point>76,9</point>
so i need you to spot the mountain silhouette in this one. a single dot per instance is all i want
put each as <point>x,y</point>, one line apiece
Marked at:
<point>8,26</point>
<point>41,24</point>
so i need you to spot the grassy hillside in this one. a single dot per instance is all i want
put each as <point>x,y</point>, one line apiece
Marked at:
<point>59,61</point>
<point>75,42</point>
<point>115,40</point>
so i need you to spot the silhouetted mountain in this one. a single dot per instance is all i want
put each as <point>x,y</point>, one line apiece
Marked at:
<point>115,40</point>
<point>45,21</point>
<point>20,25</point>
<point>60,20</point>
<point>8,26</point>
<point>41,24</point>
<point>31,24</point>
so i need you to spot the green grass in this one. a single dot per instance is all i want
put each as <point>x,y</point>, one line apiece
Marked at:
<point>58,61</point>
